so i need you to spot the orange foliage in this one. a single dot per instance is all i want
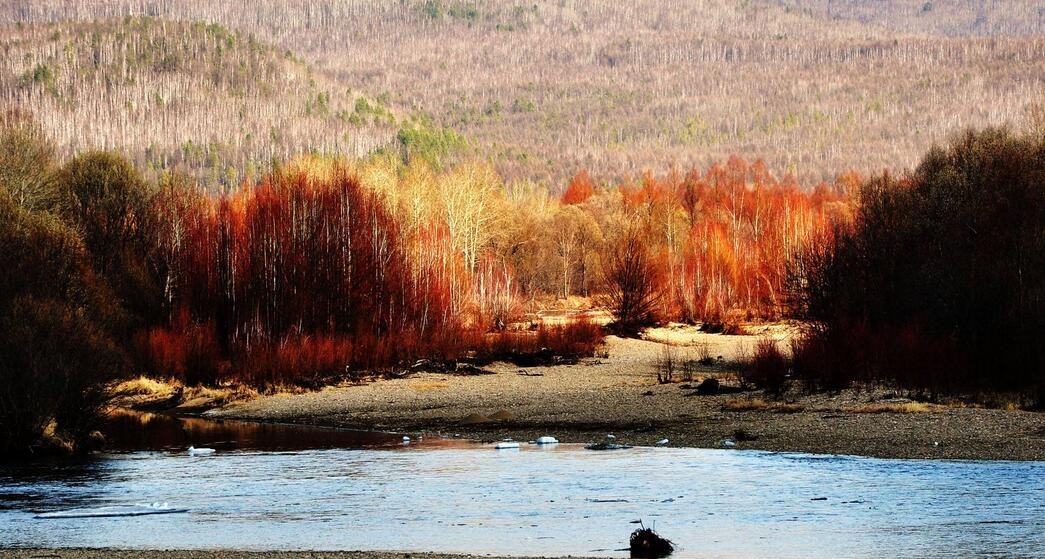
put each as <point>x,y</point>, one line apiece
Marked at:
<point>740,232</point>
<point>581,188</point>
<point>304,277</point>
<point>300,277</point>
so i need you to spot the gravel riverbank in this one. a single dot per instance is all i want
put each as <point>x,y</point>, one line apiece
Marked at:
<point>619,393</point>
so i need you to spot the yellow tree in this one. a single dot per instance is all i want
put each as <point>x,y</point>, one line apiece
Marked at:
<point>473,208</point>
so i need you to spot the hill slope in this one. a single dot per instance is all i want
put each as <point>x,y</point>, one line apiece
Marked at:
<point>180,95</point>
<point>956,18</point>
<point>546,87</point>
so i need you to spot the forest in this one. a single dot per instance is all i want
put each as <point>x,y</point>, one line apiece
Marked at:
<point>276,196</point>
<point>328,268</point>
<point>541,88</point>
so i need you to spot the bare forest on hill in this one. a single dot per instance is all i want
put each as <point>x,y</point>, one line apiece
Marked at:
<point>547,88</point>
<point>988,18</point>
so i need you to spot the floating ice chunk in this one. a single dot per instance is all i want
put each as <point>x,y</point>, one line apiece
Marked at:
<point>506,444</point>
<point>114,511</point>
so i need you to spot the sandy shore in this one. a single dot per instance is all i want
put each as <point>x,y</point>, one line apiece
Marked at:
<point>217,554</point>
<point>619,393</point>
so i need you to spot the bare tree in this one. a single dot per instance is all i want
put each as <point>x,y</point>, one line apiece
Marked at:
<point>633,282</point>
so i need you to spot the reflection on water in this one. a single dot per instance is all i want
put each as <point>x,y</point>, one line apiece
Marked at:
<point>565,500</point>
<point>126,431</point>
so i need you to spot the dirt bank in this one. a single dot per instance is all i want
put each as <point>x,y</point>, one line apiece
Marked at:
<point>619,393</point>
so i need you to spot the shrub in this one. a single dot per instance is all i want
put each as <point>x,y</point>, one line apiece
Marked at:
<point>938,283</point>
<point>768,368</point>
<point>667,365</point>
<point>575,338</point>
<point>186,352</point>
<point>106,201</point>
<point>54,367</point>
<point>302,360</point>
<point>27,163</point>
<point>548,344</point>
<point>634,282</point>
<point>56,355</point>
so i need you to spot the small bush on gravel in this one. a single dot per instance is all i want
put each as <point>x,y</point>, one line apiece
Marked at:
<point>768,368</point>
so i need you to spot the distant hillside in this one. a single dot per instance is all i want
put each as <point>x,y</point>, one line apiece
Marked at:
<point>956,18</point>
<point>547,87</point>
<point>179,95</point>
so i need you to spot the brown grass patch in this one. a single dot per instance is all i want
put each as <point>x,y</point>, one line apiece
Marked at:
<point>430,386</point>
<point>144,386</point>
<point>745,404</point>
<point>759,404</point>
<point>893,407</point>
<point>225,394</point>
<point>788,407</point>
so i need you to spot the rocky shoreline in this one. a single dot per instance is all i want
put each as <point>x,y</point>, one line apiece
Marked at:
<point>619,394</point>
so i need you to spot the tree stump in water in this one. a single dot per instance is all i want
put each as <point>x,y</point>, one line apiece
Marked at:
<point>647,544</point>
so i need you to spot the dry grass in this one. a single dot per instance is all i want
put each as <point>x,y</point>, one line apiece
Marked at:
<point>144,386</point>
<point>760,404</point>
<point>145,390</point>
<point>745,404</point>
<point>234,393</point>
<point>893,407</point>
<point>1005,402</point>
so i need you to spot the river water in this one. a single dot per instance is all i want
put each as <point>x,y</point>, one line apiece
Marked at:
<point>274,487</point>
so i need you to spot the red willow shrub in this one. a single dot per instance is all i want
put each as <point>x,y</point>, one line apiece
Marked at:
<point>184,351</point>
<point>292,278</point>
<point>299,280</point>
<point>305,360</point>
<point>581,188</point>
<point>723,241</point>
<point>634,282</point>
<point>832,358</point>
<point>572,340</point>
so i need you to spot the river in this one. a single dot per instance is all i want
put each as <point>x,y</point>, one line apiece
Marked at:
<point>280,487</point>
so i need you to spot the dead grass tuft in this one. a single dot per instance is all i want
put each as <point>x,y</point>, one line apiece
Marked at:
<point>144,386</point>
<point>745,404</point>
<point>893,407</point>
<point>788,407</point>
<point>430,386</point>
<point>759,404</point>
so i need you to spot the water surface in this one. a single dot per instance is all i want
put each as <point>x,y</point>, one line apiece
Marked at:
<point>462,497</point>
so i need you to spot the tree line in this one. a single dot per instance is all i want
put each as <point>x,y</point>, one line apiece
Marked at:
<point>938,283</point>
<point>325,268</point>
